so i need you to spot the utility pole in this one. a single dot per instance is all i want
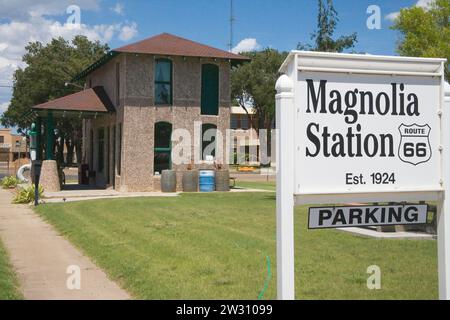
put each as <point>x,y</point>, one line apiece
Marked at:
<point>232,19</point>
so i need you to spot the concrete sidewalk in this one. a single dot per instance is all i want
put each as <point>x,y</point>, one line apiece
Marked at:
<point>41,258</point>
<point>82,195</point>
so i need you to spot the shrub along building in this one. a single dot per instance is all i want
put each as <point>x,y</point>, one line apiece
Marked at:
<point>134,97</point>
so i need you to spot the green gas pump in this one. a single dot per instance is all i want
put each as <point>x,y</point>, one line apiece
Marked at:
<point>33,142</point>
<point>36,164</point>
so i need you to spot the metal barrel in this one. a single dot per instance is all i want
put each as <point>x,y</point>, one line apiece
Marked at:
<point>190,181</point>
<point>168,181</point>
<point>223,180</point>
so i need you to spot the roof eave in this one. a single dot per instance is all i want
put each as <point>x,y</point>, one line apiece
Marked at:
<point>96,65</point>
<point>38,109</point>
<point>113,53</point>
<point>69,113</point>
<point>234,57</point>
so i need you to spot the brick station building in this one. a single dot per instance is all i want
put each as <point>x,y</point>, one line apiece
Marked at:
<point>135,96</point>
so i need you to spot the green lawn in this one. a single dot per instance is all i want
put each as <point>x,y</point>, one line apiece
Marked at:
<point>214,246</point>
<point>269,186</point>
<point>8,282</point>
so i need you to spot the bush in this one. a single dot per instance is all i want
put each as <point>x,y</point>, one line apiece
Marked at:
<point>26,195</point>
<point>9,182</point>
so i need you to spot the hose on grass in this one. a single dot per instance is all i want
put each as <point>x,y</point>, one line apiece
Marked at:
<point>266,283</point>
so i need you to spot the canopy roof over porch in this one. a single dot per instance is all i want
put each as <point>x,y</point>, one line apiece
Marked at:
<point>93,100</point>
<point>84,104</point>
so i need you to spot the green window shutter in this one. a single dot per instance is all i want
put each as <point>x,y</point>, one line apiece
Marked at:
<point>210,90</point>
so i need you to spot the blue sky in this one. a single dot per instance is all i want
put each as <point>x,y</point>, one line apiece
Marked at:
<point>279,24</point>
<point>260,23</point>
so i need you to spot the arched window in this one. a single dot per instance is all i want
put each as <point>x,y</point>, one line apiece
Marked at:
<point>163,82</point>
<point>163,147</point>
<point>209,136</point>
<point>210,90</point>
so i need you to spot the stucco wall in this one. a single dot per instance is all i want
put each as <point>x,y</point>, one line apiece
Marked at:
<point>107,123</point>
<point>106,76</point>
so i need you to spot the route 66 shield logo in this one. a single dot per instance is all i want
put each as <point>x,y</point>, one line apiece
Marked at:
<point>415,147</point>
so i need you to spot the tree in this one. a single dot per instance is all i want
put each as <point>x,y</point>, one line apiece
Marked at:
<point>48,68</point>
<point>327,20</point>
<point>253,84</point>
<point>425,32</point>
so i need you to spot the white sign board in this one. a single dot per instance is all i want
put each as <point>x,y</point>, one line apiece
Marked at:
<point>361,128</point>
<point>341,217</point>
<point>366,133</point>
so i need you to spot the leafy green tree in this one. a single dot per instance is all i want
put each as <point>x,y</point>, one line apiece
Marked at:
<point>48,68</point>
<point>327,20</point>
<point>253,84</point>
<point>425,31</point>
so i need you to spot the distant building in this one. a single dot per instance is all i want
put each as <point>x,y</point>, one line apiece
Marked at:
<point>12,146</point>
<point>246,137</point>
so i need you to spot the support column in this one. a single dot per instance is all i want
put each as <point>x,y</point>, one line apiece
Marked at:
<point>285,188</point>
<point>49,178</point>
<point>38,138</point>
<point>443,218</point>
<point>50,136</point>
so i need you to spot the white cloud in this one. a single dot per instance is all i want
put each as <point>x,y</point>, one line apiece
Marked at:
<point>420,3</point>
<point>118,8</point>
<point>7,68</point>
<point>3,107</point>
<point>24,9</point>
<point>246,45</point>
<point>15,35</point>
<point>27,21</point>
<point>392,16</point>
<point>128,32</point>
<point>424,3</point>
